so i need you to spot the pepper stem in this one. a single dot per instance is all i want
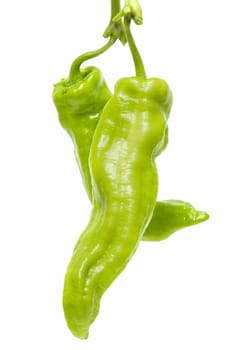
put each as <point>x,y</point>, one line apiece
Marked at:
<point>115,8</point>
<point>138,62</point>
<point>115,28</point>
<point>75,71</point>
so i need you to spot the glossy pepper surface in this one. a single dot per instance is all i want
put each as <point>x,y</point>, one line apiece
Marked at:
<point>79,104</point>
<point>129,135</point>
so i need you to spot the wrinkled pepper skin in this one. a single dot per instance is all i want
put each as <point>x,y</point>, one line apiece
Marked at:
<point>79,104</point>
<point>129,135</point>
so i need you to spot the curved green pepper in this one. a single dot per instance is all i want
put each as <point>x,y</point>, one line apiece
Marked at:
<point>129,135</point>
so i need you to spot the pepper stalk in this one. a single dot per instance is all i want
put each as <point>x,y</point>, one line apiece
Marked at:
<point>133,10</point>
<point>75,70</point>
<point>115,28</point>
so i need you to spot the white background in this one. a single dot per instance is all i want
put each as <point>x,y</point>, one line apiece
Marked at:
<point>175,294</point>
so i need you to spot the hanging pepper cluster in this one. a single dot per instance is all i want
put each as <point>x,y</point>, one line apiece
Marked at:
<point>117,138</point>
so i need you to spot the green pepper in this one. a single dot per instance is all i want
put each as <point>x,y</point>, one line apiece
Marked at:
<point>129,135</point>
<point>79,100</point>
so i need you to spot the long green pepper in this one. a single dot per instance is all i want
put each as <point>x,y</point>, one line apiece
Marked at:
<point>116,139</point>
<point>129,133</point>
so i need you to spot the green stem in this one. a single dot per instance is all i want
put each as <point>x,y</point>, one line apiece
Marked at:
<point>115,8</point>
<point>138,62</point>
<point>75,71</point>
<point>115,28</point>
